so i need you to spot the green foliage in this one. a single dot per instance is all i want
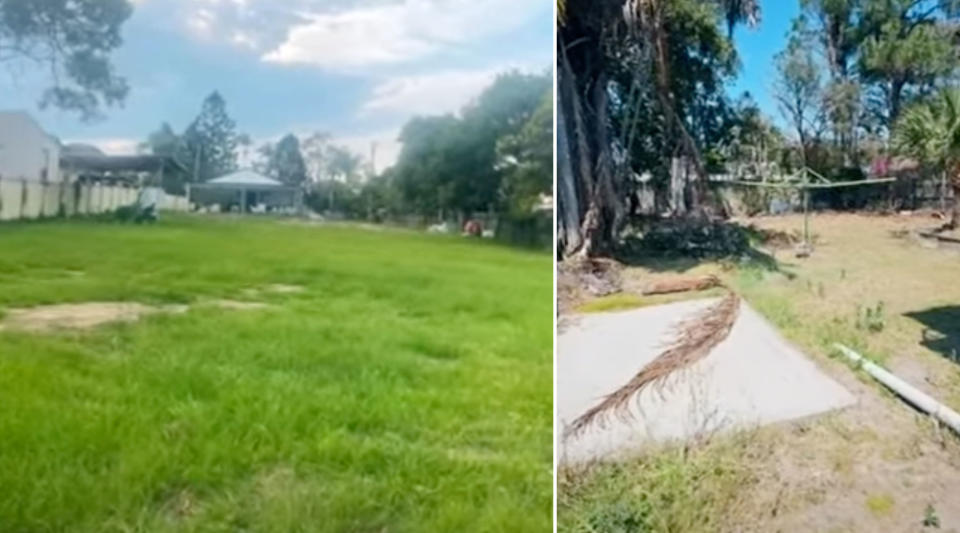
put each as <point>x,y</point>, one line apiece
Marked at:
<point>871,318</point>
<point>286,163</point>
<point>344,165</point>
<point>209,147</point>
<point>702,59</point>
<point>930,130</point>
<point>73,41</point>
<point>526,160</point>
<point>165,142</point>
<point>930,517</point>
<point>907,47</point>
<point>880,504</point>
<point>690,489</point>
<point>452,164</point>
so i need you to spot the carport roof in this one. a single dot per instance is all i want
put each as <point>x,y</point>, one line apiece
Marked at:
<point>245,178</point>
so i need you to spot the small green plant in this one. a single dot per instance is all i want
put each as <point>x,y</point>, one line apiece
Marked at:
<point>871,318</point>
<point>930,517</point>
<point>880,504</point>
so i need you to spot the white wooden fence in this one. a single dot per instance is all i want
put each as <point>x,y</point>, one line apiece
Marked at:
<point>22,199</point>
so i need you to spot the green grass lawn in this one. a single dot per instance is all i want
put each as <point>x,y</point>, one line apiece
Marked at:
<point>407,388</point>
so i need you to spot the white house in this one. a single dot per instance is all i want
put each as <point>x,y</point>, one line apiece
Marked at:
<point>26,151</point>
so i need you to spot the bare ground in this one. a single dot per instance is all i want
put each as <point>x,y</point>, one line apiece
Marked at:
<point>79,315</point>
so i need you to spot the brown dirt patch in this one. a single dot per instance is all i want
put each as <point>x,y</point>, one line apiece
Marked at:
<point>281,288</point>
<point>237,305</point>
<point>80,315</point>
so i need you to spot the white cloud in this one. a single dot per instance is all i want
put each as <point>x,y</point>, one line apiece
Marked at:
<point>110,145</point>
<point>201,21</point>
<point>398,32</point>
<point>433,94</point>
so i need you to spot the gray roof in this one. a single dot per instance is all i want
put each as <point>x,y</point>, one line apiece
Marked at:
<point>245,177</point>
<point>117,163</point>
<point>82,150</point>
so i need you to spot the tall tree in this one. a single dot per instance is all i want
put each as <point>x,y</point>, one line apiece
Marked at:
<point>286,162</point>
<point>907,46</point>
<point>450,164</point>
<point>648,75</point>
<point>164,141</point>
<point>526,159</point>
<point>345,165</point>
<point>930,131</point>
<point>73,41</point>
<point>316,155</point>
<point>798,88</point>
<point>210,142</point>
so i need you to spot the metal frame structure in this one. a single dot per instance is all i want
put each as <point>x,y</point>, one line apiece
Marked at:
<point>805,185</point>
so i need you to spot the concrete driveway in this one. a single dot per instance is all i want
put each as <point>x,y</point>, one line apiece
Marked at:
<point>752,378</point>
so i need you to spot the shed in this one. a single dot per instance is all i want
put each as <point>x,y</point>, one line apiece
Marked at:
<point>247,191</point>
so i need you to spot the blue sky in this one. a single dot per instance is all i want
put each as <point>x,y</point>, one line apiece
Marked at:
<point>757,47</point>
<point>355,68</point>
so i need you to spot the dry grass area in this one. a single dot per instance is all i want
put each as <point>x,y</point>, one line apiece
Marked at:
<point>878,466</point>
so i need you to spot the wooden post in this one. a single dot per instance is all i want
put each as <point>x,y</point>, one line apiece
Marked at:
<point>806,208</point>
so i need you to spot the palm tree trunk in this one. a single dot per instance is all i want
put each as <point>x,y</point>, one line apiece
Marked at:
<point>651,18</point>
<point>955,185</point>
<point>568,201</point>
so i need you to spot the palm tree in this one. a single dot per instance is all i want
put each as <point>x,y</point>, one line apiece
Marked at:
<point>929,131</point>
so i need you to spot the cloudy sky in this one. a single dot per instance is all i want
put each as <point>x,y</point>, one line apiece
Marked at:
<point>355,68</point>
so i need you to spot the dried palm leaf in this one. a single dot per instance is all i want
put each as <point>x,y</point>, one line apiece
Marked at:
<point>694,338</point>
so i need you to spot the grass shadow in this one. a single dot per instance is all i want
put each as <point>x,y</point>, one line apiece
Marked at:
<point>941,331</point>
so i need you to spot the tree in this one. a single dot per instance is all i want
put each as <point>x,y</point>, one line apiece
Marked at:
<point>244,144</point>
<point>930,132</point>
<point>344,165</point>
<point>73,41</point>
<point>316,155</point>
<point>526,159</point>
<point>165,142</point>
<point>451,165</point>
<point>422,172</point>
<point>798,88</point>
<point>907,46</point>
<point>640,83</point>
<point>285,162</point>
<point>210,142</point>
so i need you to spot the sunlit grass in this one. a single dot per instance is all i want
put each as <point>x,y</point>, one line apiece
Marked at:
<point>407,388</point>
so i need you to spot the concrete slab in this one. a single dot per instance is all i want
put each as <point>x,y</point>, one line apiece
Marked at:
<point>752,378</point>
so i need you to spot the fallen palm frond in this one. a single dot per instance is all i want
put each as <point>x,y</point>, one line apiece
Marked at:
<point>694,338</point>
<point>672,285</point>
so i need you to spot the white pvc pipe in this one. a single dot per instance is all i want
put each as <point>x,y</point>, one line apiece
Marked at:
<point>905,390</point>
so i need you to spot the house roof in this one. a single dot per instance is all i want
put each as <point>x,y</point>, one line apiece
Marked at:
<point>245,177</point>
<point>117,163</point>
<point>8,116</point>
<point>81,149</point>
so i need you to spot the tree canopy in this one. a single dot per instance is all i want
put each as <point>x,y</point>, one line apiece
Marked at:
<point>286,163</point>
<point>452,163</point>
<point>73,41</point>
<point>209,145</point>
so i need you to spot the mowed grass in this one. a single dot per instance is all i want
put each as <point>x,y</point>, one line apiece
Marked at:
<point>408,387</point>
